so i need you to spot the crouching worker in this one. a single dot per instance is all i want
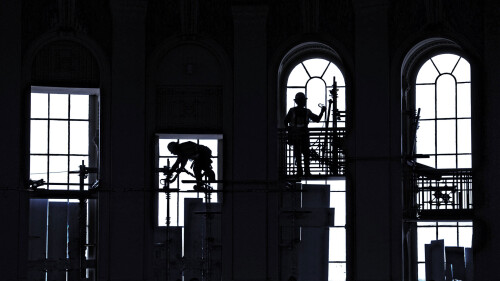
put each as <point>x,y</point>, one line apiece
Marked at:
<point>201,157</point>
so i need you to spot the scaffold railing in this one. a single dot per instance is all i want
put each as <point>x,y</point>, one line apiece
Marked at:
<point>442,191</point>
<point>327,153</point>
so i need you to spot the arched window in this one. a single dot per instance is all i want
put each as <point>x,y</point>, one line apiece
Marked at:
<point>63,161</point>
<point>438,189</point>
<point>442,92</point>
<point>316,70</point>
<point>315,78</point>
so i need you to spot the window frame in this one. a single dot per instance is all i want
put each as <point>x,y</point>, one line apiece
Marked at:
<point>93,126</point>
<point>411,65</point>
<point>413,96</point>
<point>297,55</point>
<point>219,172</point>
<point>71,196</point>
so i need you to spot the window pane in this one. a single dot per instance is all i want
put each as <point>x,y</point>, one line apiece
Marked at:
<point>337,244</point>
<point>426,223</point>
<point>446,162</point>
<point>427,73</point>
<point>424,236</point>
<point>316,67</point>
<point>58,169</point>
<point>421,272</point>
<point>162,209</point>
<point>337,201</point>
<point>462,71</point>
<point>449,235</point>
<point>74,165</point>
<point>333,71</point>
<point>316,93</point>
<point>446,142</point>
<point>425,100</point>
<point>426,137</point>
<point>58,106</point>
<point>58,137</point>
<point>79,137</point>
<point>38,168</point>
<point>446,88</point>
<point>162,147</point>
<point>465,237</point>
<point>431,161</point>
<point>298,76</point>
<point>336,272</point>
<point>336,185</point>
<point>38,135</point>
<point>79,107</point>
<point>464,136</point>
<point>463,100</point>
<point>212,144</point>
<point>39,105</point>
<point>445,62</point>
<point>465,161</point>
<point>447,223</point>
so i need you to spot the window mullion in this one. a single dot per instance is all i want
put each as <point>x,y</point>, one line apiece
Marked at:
<point>69,139</point>
<point>48,140</point>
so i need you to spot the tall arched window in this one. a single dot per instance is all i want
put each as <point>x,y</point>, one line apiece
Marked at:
<point>315,70</point>
<point>439,187</point>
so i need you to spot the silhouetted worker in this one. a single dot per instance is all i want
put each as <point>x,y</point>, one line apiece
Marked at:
<point>199,154</point>
<point>296,122</point>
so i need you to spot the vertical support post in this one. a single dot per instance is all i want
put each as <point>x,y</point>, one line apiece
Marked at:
<point>249,229</point>
<point>82,222</point>
<point>127,252</point>
<point>13,200</point>
<point>485,99</point>
<point>376,172</point>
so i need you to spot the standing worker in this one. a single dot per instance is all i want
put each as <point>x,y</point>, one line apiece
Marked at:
<point>296,122</point>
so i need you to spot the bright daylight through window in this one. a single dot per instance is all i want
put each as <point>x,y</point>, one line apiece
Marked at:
<point>166,158</point>
<point>314,77</point>
<point>443,94</point>
<point>62,227</point>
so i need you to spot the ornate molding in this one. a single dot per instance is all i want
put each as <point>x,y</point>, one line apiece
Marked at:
<point>189,108</point>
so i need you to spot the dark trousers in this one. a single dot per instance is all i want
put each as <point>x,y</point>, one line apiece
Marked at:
<point>300,148</point>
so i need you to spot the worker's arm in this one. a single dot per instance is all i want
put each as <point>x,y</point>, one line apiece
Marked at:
<point>316,118</point>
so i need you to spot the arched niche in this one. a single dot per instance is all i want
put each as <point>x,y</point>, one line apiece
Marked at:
<point>64,63</point>
<point>189,82</point>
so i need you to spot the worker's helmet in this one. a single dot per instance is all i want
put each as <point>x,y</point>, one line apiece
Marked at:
<point>172,147</point>
<point>300,97</point>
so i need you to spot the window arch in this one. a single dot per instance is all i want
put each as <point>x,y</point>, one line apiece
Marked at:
<point>315,77</point>
<point>442,93</point>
